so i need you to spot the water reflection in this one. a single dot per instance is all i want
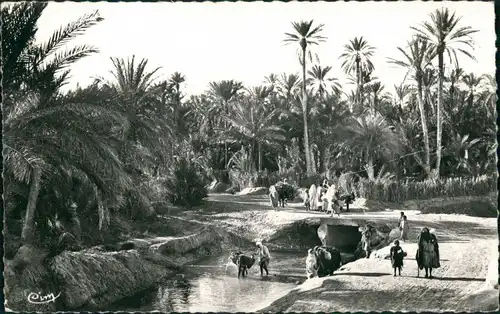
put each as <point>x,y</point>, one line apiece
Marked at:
<point>212,288</point>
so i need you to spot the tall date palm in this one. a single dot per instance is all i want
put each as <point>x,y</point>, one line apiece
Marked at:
<point>445,37</point>
<point>356,60</point>
<point>305,35</point>
<point>415,61</point>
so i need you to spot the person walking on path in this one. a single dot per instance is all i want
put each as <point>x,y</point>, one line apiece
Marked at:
<point>264,258</point>
<point>405,228</point>
<point>400,219</point>
<point>397,256</point>
<point>428,252</point>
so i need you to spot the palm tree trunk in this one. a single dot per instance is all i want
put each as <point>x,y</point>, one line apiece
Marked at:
<point>260,156</point>
<point>358,85</point>
<point>369,167</point>
<point>252,156</point>
<point>425,130</point>
<point>307,148</point>
<point>321,159</point>
<point>225,142</point>
<point>28,232</point>
<point>438,116</point>
<point>102,211</point>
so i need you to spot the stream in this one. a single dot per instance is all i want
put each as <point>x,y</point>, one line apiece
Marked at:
<point>208,287</point>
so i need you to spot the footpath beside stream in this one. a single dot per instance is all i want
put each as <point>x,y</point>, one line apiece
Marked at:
<point>94,279</point>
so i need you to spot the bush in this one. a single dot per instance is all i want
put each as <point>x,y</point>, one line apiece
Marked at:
<point>401,191</point>
<point>396,191</point>
<point>186,187</point>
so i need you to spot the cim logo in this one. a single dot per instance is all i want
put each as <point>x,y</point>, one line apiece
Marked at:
<point>38,298</point>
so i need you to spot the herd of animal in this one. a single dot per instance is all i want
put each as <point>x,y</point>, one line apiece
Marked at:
<point>324,197</point>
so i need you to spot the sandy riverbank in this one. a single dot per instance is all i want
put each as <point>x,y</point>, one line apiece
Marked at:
<point>240,219</point>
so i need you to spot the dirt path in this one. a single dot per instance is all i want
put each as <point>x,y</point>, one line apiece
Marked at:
<point>368,285</point>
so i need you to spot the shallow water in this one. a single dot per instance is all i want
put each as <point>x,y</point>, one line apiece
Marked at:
<point>207,287</point>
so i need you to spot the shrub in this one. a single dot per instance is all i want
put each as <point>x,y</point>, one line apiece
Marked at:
<point>401,191</point>
<point>186,187</point>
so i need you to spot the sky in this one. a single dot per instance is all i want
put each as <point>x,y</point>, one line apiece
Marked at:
<point>244,41</point>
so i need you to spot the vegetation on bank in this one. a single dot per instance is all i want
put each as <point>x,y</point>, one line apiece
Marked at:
<point>82,166</point>
<point>382,189</point>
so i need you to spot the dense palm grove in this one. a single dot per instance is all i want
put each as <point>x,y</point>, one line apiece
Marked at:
<point>128,145</point>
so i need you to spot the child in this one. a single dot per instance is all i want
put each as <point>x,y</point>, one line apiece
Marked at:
<point>397,255</point>
<point>307,203</point>
<point>405,228</point>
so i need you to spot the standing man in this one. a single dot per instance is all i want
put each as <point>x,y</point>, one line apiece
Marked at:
<point>264,258</point>
<point>401,219</point>
<point>405,228</point>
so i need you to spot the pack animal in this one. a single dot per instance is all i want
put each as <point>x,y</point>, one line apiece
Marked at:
<point>242,261</point>
<point>244,264</point>
<point>286,192</point>
<point>322,261</point>
<point>347,200</point>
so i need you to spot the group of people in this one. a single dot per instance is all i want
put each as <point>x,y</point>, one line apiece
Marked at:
<point>427,256</point>
<point>318,196</point>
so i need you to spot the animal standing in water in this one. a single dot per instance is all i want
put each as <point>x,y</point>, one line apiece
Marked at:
<point>244,264</point>
<point>427,253</point>
<point>242,261</point>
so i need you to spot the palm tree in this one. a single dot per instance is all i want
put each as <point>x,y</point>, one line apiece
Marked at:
<point>288,85</point>
<point>321,83</point>
<point>135,96</point>
<point>402,92</point>
<point>445,36</point>
<point>415,60</point>
<point>253,124</point>
<point>356,61</point>
<point>429,80</point>
<point>260,93</point>
<point>19,26</point>
<point>271,80</point>
<point>146,145</point>
<point>36,123</point>
<point>371,136</point>
<point>489,83</point>
<point>471,81</point>
<point>377,94</point>
<point>225,91</point>
<point>305,35</point>
<point>176,79</point>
